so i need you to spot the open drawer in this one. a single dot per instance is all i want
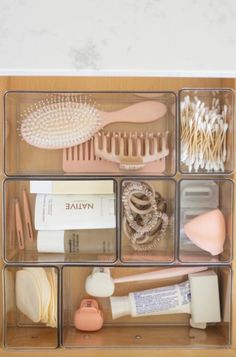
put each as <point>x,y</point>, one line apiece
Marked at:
<point>182,188</point>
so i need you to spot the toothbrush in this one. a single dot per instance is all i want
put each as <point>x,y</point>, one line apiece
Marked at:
<point>101,284</point>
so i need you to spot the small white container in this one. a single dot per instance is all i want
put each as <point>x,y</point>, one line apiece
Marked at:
<point>62,212</point>
<point>75,241</point>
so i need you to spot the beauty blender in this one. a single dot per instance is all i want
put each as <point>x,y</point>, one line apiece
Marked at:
<point>207,231</point>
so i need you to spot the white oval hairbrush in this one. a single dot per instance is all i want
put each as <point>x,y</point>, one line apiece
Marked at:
<point>62,122</point>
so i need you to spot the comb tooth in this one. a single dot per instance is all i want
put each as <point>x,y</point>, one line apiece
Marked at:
<point>130,145</point>
<point>79,152</point>
<point>118,138</point>
<point>104,142</point>
<point>65,155</point>
<point>162,142</point>
<point>70,154</point>
<point>142,144</point>
<point>155,144</point>
<point>113,143</point>
<point>117,143</point>
<point>147,146</point>
<point>74,152</point>
<point>150,140</point>
<point>92,153</point>
<point>96,142</point>
<point>125,144</point>
<point>86,150</point>
<point>139,147</point>
<point>135,144</point>
<point>82,151</point>
<point>100,141</point>
<point>108,142</point>
<point>122,146</point>
<point>165,140</point>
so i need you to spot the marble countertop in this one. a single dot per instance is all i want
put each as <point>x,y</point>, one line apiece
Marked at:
<point>118,37</point>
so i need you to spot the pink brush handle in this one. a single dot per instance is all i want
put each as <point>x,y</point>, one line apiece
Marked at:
<point>142,112</point>
<point>160,274</point>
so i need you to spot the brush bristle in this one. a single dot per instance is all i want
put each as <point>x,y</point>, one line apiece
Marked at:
<point>60,122</point>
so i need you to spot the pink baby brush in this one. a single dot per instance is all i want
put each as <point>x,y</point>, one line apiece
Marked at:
<point>66,121</point>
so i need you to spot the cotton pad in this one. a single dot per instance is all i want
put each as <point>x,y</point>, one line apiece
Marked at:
<point>52,320</point>
<point>36,294</point>
<point>28,297</point>
<point>45,290</point>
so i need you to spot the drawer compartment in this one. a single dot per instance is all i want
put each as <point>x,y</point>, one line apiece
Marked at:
<point>206,220</point>
<point>161,331</point>
<point>88,221</point>
<point>31,307</point>
<point>140,139</point>
<point>148,221</point>
<point>206,139</point>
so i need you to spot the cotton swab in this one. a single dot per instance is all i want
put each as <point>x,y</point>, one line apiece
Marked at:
<point>203,134</point>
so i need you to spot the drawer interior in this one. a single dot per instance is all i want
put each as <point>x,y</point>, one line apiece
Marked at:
<point>24,162</point>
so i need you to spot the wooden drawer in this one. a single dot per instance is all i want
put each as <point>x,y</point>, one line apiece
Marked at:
<point>160,348</point>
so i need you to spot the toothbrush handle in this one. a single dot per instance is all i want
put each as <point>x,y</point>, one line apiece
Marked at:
<point>142,112</point>
<point>160,274</point>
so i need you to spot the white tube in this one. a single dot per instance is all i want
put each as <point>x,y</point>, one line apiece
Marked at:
<point>173,299</point>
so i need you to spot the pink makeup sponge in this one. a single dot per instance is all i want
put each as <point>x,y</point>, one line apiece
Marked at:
<point>207,231</point>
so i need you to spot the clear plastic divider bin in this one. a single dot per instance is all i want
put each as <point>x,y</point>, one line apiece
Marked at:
<point>31,307</point>
<point>148,209</point>
<point>207,131</point>
<point>206,220</point>
<point>120,329</point>
<point>115,133</point>
<point>45,222</point>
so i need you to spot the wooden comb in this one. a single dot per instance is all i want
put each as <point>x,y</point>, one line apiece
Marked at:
<point>114,152</point>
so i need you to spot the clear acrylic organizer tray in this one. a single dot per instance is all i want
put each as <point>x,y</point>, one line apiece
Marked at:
<point>143,146</point>
<point>187,195</point>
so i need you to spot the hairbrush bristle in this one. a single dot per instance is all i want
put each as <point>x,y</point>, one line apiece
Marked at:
<point>60,121</point>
